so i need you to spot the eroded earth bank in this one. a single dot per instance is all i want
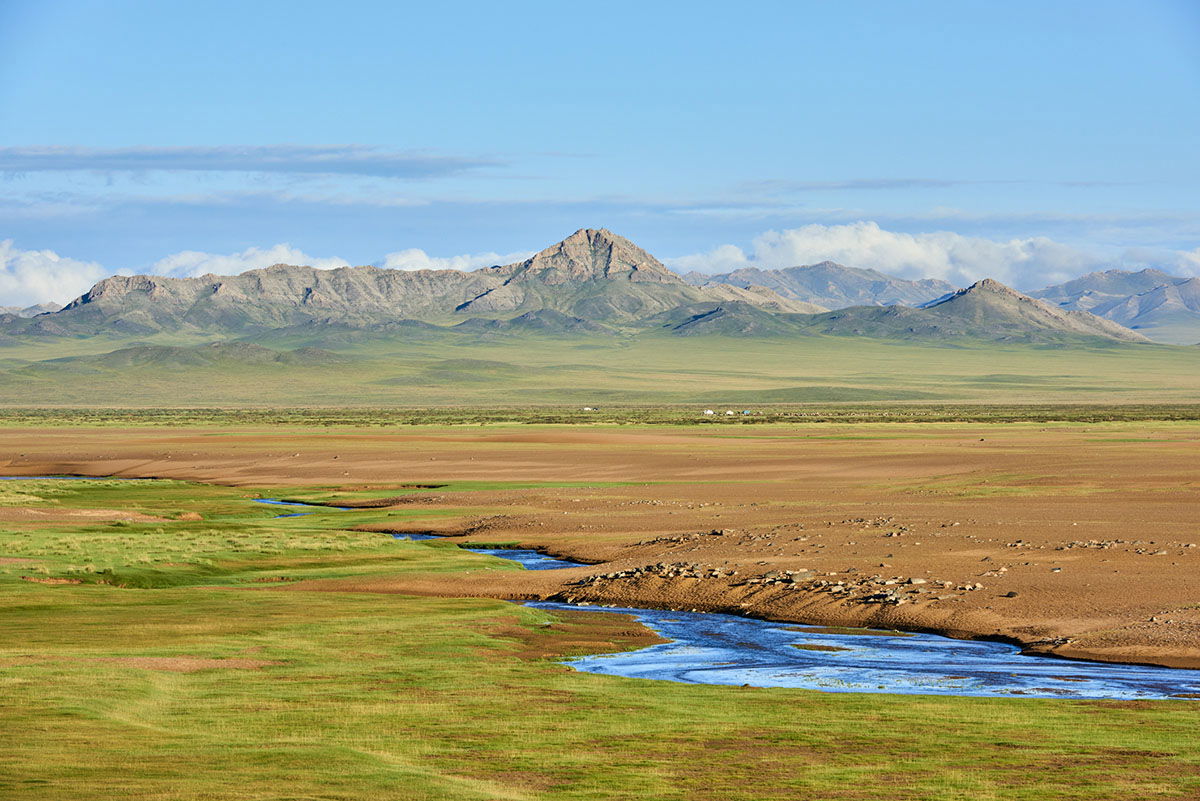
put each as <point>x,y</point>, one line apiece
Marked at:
<point>1070,539</point>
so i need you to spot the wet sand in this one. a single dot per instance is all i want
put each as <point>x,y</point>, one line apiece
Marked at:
<point>1076,540</point>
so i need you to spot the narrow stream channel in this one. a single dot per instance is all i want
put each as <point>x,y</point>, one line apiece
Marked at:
<point>531,560</point>
<point>731,650</point>
<point>302,504</point>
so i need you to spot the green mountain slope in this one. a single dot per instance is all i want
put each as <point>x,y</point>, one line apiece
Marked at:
<point>987,310</point>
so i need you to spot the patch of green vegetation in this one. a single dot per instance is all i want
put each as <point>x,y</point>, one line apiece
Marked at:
<point>515,371</point>
<point>225,682</point>
<point>202,534</point>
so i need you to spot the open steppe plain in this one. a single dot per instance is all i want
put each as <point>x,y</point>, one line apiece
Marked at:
<point>170,639</point>
<point>1077,539</point>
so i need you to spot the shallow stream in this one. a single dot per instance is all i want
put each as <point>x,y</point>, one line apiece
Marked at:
<point>727,649</point>
<point>731,650</point>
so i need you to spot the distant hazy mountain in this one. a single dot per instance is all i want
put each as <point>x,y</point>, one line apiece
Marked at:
<point>1095,289</point>
<point>1168,313</point>
<point>592,284</point>
<point>30,311</point>
<point>760,297</point>
<point>985,310</point>
<point>1164,307</point>
<point>833,285</point>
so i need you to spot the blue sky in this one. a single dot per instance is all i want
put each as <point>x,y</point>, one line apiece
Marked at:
<point>1030,140</point>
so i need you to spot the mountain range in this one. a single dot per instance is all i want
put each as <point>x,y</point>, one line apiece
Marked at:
<point>832,285</point>
<point>593,283</point>
<point>592,275</point>
<point>29,311</point>
<point>1162,306</point>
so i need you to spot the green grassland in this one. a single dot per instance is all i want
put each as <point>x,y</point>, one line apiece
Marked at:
<point>354,695</point>
<point>512,370</point>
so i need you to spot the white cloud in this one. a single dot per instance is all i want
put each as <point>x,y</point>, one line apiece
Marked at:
<point>192,263</point>
<point>34,276</point>
<point>1027,263</point>
<point>416,259</point>
<point>1188,262</point>
<point>721,259</point>
<point>1179,262</point>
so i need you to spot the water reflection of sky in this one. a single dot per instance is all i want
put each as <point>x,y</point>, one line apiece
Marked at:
<point>731,650</point>
<point>532,560</point>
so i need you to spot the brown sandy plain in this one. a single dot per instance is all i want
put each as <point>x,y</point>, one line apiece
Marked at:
<point>1075,540</point>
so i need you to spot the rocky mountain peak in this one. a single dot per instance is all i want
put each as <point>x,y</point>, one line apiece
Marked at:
<point>991,285</point>
<point>591,254</point>
<point>987,289</point>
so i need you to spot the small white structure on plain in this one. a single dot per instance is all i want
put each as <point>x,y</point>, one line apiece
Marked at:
<point>730,412</point>
<point>588,409</point>
<point>709,412</point>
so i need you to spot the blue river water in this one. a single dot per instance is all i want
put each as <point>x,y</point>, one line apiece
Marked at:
<point>532,560</point>
<point>315,506</point>
<point>727,649</point>
<point>731,650</point>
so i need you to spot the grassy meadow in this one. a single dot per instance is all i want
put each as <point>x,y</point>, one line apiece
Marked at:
<point>507,370</point>
<point>168,660</point>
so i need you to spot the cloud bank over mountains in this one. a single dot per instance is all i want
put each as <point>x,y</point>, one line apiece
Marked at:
<point>192,263</point>
<point>417,259</point>
<point>34,276</point>
<point>1031,262</point>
